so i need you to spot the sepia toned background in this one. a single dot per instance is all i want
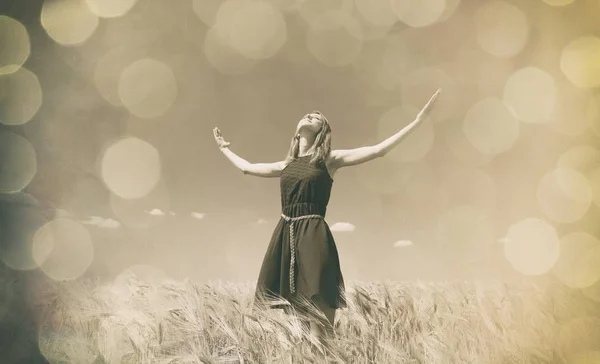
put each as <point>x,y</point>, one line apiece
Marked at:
<point>107,159</point>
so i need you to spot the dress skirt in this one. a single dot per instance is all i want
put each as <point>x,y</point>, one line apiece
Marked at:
<point>317,267</point>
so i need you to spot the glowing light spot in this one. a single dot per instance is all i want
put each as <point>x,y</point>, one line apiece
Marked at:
<point>564,195</point>
<point>336,41</point>
<point>18,160</point>
<point>257,30</point>
<point>463,150</point>
<point>377,12</point>
<point>575,111</point>
<point>594,180</point>
<point>109,69</point>
<point>223,56</point>
<point>63,249</point>
<point>532,94</point>
<point>420,85</point>
<point>134,212</point>
<point>420,13</point>
<point>207,10</point>
<point>449,9</point>
<point>68,22</point>
<point>593,114</point>
<point>147,88</point>
<point>131,168</point>
<point>580,61</point>
<point>502,29</point>
<point>491,127</point>
<point>559,2</point>
<point>579,263</point>
<point>20,97</point>
<point>532,246</point>
<point>582,158</point>
<point>465,233</point>
<point>313,10</point>
<point>15,45</point>
<point>110,8</point>
<point>416,145</point>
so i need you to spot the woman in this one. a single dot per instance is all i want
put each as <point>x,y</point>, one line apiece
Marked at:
<point>301,264</point>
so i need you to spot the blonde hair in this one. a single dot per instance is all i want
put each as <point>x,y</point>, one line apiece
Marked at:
<point>321,146</point>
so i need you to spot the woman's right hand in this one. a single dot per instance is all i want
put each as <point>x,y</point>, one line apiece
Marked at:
<point>219,139</point>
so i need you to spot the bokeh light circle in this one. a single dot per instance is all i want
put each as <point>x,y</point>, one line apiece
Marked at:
<point>138,213</point>
<point>416,144</point>
<point>15,43</point>
<point>63,249</point>
<point>18,160</point>
<point>490,126</point>
<point>376,12</point>
<point>109,69</point>
<point>207,10</point>
<point>558,2</point>
<point>580,61</point>
<point>502,28</point>
<point>463,150</point>
<point>20,97</point>
<point>532,246</point>
<point>131,167</point>
<point>337,39</point>
<point>257,30</point>
<point>583,158</point>
<point>148,88</point>
<point>313,10</point>
<point>110,8</point>
<point>68,22</point>
<point>579,263</point>
<point>221,55</point>
<point>419,13</point>
<point>418,87</point>
<point>532,94</point>
<point>564,195</point>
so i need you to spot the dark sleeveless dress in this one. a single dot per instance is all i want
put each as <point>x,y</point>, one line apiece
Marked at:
<point>305,190</point>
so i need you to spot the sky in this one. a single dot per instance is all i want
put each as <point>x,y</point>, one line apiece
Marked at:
<point>107,113</point>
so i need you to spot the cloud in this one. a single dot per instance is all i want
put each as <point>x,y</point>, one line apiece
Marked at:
<point>198,215</point>
<point>403,243</point>
<point>342,226</point>
<point>156,212</point>
<point>172,213</point>
<point>261,221</point>
<point>102,222</point>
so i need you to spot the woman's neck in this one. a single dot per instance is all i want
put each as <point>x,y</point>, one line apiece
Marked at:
<point>305,145</point>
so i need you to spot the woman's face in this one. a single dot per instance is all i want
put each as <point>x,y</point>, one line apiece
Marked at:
<point>312,123</point>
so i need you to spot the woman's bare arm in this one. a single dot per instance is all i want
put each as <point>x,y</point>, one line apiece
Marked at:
<point>350,157</point>
<point>255,169</point>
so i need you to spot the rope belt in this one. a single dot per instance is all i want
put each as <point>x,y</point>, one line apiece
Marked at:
<point>291,220</point>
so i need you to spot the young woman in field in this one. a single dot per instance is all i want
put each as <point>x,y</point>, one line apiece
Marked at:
<point>301,264</point>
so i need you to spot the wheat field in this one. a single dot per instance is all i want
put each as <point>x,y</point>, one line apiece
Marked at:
<point>136,321</point>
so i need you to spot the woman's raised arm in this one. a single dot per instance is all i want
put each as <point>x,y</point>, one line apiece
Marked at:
<point>255,169</point>
<point>349,157</point>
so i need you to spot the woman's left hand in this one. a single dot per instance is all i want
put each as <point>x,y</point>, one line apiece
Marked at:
<point>424,113</point>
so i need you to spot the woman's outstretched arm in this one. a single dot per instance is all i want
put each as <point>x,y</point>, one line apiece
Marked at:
<point>349,157</point>
<point>254,169</point>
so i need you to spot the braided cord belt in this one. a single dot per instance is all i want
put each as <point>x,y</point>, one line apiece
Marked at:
<point>291,220</point>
